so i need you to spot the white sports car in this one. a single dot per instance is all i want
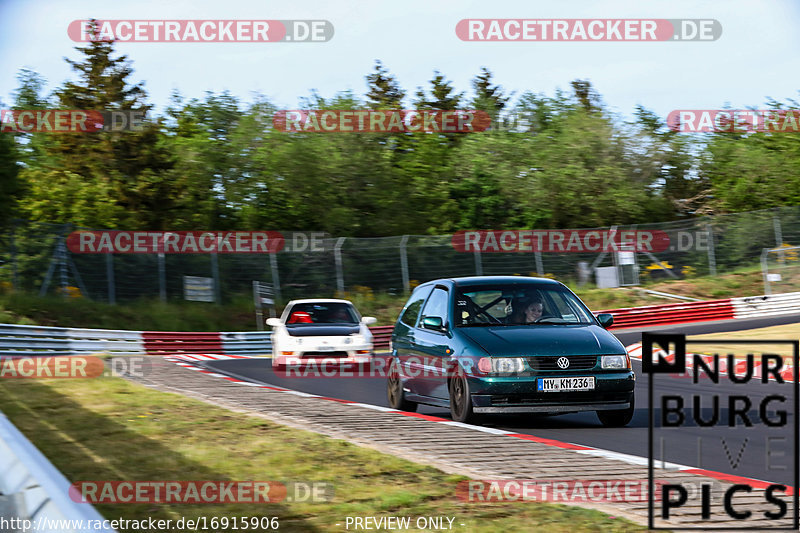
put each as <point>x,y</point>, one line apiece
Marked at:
<point>324,331</point>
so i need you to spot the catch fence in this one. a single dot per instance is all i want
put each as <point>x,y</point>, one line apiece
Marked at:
<point>36,259</point>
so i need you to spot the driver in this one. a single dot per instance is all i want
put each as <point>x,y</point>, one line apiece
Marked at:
<point>527,312</point>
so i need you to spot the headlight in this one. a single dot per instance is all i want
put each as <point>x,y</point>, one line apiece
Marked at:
<point>615,362</point>
<point>501,365</point>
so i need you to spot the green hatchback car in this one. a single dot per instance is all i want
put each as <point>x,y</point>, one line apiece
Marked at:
<point>507,344</point>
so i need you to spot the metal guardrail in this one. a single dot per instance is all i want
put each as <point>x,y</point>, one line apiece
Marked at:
<point>43,340</point>
<point>656,315</point>
<point>31,488</point>
<point>767,305</point>
<point>16,340</point>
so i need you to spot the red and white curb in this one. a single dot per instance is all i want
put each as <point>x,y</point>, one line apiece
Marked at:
<point>192,362</point>
<point>740,368</point>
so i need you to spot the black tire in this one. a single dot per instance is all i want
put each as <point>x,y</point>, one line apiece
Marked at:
<point>395,393</point>
<point>461,400</point>
<point>619,418</point>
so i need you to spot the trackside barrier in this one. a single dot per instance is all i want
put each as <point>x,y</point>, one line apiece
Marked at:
<point>768,305</point>
<point>31,488</point>
<point>43,340</point>
<point>16,340</point>
<point>657,315</point>
<point>381,337</point>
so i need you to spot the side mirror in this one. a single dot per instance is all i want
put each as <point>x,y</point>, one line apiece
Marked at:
<point>274,322</point>
<point>367,320</point>
<point>605,319</point>
<point>433,322</point>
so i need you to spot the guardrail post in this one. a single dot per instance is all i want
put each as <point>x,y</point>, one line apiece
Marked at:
<point>404,264</point>
<point>478,263</point>
<point>712,260</point>
<point>112,294</point>
<point>162,278</point>
<point>537,256</point>
<point>337,255</point>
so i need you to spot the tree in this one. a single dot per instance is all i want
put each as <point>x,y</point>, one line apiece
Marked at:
<point>488,97</point>
<point>9,183</point>
<point>668,161</point>
<point>384,90</point>
<point>586,95</point>
<point>443,95</point>
<point>127,170</point>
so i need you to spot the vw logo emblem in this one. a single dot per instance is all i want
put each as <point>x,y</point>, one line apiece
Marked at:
<point>562,363</point>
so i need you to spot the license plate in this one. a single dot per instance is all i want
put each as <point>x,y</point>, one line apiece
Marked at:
<point>564,384</point>
<point>326,348</point>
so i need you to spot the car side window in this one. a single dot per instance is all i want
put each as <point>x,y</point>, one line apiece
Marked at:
<point>414,306</point>
<point>437,305</point>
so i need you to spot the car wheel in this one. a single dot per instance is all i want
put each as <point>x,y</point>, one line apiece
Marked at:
<point>395,393</point>
<point>460,399</point>
<point>618,418</point>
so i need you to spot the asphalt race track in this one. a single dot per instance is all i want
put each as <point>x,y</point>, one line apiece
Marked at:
<point>736,457</point>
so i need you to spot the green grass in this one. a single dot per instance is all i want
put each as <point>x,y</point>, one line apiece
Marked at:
<point>110,429</point>
<point>238,315</point>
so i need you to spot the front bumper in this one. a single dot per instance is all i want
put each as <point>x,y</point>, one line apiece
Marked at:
<point>299,358</point>
<point>516,394</point>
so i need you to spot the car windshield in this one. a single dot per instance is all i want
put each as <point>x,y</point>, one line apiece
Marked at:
<point>518,304</point>
<point>321,313</point>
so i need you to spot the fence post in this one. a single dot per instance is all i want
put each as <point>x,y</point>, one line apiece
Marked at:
<point>13,246</point>
<point>112,292</point>
<point>215,275</point>
<point>776,223</point>
<point>337,255</point>
<point>712,260</point>
<point>537,256</point>
<point>404,264</point>
<point>478,264</point>
<point>276,280</point>
<point>765,270</point>
<point>162,278</point>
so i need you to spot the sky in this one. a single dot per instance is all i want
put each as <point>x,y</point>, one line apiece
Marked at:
<point>756,56</point>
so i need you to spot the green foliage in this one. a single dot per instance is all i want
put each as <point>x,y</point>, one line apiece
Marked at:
<point>384,90</point>
<point>561,161</point>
